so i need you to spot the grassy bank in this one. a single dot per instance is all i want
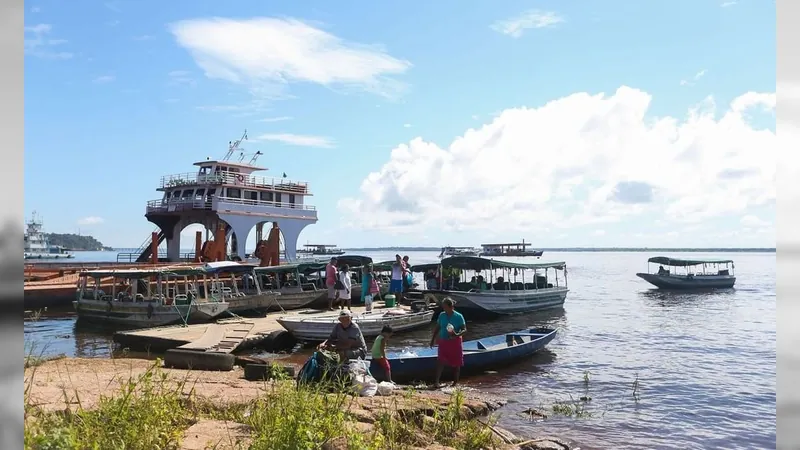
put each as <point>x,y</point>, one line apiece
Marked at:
<point>70,405</point>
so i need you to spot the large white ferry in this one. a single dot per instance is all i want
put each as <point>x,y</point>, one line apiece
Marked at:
<point>229,201</point>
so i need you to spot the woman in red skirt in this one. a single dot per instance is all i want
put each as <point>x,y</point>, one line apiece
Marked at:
<point>450,326</point>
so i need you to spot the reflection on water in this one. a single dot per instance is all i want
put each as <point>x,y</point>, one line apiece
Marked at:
<point>703,362</point>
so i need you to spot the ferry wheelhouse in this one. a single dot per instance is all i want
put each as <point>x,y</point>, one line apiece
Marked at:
<point>229,201</point>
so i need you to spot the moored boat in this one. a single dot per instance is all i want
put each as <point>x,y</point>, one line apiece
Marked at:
<point>490,352</point>
<point>320,250</point>
<point>147,297</point>
<point>507,288</point>
<point>37,246</point>
<point>318,327</point>
<point>242,294</point>
<point>696,273</point>
<point>294,283</point>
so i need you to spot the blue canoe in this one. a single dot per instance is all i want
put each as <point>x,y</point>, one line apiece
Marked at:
<point>485,353</point>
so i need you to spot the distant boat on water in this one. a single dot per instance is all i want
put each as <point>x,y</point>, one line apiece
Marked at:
<point>37,245</point>
<point>697,273</point>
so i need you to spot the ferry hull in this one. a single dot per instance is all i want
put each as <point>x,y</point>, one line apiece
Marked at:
<point>505,302</point>
<point>142,315</point>
<point>689,283</point>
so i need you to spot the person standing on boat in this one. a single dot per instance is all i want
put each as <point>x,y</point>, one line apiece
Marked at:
<point>408,279</point>
<point>330,281</point>
<point>369,286</point>
<point>450,326</point>
<point>398,273</point>
<point>344,287</point>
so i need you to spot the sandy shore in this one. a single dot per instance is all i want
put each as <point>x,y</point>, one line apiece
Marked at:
<point>72,383</point>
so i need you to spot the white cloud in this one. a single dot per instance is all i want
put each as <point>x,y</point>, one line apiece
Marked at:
<point>36,9</point>
<point>265,54</point>
<point>694,79</point>
<point>144,37</point>
<point>38,43</point>
<point>516,26</point>
<point>276,119</point>
<point>727,4</point>
<point>298,140</point>
<point>104,79</point>
<point>599,233</point>
<point>406,125</point>
<point>91,220</point>
<point>579,160</point>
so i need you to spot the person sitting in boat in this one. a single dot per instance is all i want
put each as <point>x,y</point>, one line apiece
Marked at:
<point>346,339</point>
<point>431,282</point>
<point>481,283</point>
<point>662,271</point>
<point>450,326</point>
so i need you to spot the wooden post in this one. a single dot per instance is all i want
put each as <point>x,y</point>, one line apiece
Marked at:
<point>198,245</point>
<point>154,248</point>
<point>219,241</point>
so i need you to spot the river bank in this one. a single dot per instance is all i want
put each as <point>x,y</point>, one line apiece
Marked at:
<point>75,402</point>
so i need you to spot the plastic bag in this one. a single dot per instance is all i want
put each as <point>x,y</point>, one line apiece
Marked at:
<point>385,388</point>
<point>365,385</point>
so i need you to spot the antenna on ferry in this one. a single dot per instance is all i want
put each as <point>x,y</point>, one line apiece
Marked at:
<point>241,156</point>
<point>255,157</point>
<point>233,146</point>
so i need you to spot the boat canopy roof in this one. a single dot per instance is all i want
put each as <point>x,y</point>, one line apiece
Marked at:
<point>228,266</point>
<point>353,260</point>
<point>303,267</point>
<point>677,262</point>
<point>478,263</point>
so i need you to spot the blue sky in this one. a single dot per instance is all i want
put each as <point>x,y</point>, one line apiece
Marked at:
<point>120,93</point>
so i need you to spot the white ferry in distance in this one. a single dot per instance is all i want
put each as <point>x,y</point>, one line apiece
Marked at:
<point>37,246</point>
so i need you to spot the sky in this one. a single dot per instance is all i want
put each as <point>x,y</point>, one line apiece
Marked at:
<point>614,123</point>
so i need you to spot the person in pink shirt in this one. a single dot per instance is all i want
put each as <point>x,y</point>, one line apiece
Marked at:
<point>330,281</point>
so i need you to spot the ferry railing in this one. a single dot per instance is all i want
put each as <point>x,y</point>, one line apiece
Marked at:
<point>189,204</point>
<point>277,184</point>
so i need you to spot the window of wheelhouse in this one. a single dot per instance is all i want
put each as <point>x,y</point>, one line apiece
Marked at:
<point>291,199</point>
<point>205,170</point>
<point>187,194</point>
<point>233,192</point>
<point>199,194</point>
<point>176,194</point>
<point>277,197</point>
<point>251,195</point>
<point>267,196</point>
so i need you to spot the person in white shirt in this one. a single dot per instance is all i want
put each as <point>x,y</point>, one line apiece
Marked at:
<point>344,286</point>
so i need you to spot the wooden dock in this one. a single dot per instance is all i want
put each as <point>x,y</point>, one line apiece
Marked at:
<point>225,335</point>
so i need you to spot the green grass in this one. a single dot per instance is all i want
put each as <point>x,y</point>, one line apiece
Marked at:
<point>151,412</point>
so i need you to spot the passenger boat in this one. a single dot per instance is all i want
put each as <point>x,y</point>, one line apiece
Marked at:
<point>506,287</point>
<point>696,273</point>
<point>148,297</point>
<point>320,250</point>
<point>514,249</point>
<point>298,284</point>
<point>235,283</point>
<point>318,327</point>
<point>485,353</point>
<point>459,251</point>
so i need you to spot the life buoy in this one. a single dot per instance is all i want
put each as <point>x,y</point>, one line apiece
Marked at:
<point>240,178</point>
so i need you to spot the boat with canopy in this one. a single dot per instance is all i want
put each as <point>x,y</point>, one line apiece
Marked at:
<point>493,286</point>
<point>677,273</point>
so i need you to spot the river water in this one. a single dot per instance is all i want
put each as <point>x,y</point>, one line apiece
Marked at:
<point>663,370</point>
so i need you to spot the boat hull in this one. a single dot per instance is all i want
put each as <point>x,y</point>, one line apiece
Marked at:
<point>29,256</point>
<point>682,282</point>
<point>294,298</point>
<point>487,353</point>
<point>315,329</point>
<point>139,315</point>
<point>504,302</point>
<point>258,303</point>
